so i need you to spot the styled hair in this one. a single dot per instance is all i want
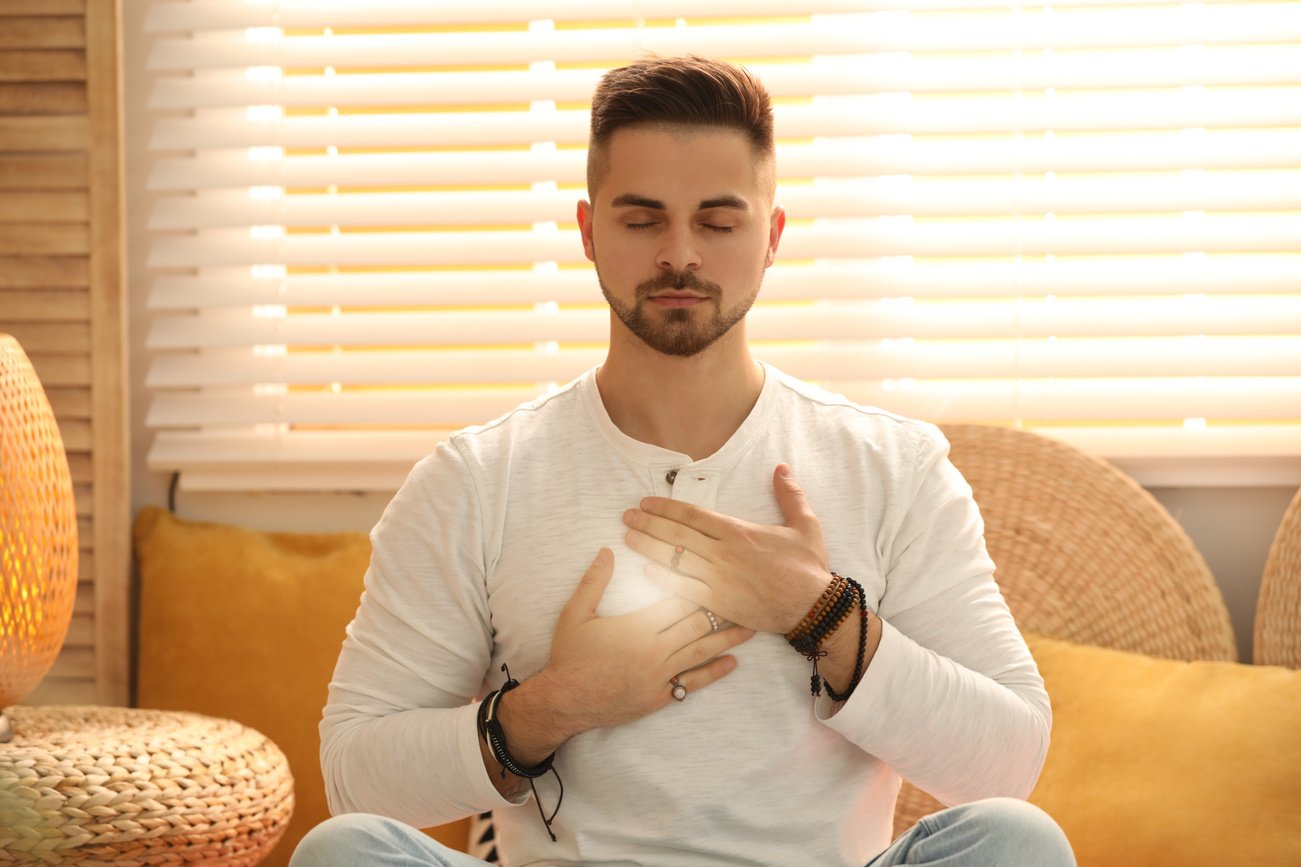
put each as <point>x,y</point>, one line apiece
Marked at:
<point>678,91</point>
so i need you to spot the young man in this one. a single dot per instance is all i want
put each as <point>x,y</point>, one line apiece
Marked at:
<point>656,552</point>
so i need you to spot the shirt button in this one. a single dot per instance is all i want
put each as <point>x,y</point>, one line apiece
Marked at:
<point>672,474</point>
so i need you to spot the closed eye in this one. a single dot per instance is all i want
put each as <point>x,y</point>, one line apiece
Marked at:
<point>720,229</point>
<point>639,226</point>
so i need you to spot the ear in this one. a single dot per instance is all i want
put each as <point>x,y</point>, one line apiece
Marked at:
<point>776,225</point>
<point>585,228</point>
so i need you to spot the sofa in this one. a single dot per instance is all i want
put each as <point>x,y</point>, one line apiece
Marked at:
<point>1165,750</point>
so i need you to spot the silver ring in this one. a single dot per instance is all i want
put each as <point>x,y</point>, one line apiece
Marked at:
<point>713,621</point>
<point>679,691</point>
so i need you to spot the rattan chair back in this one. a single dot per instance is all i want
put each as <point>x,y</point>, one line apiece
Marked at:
<point>1278,610</point>
<point>1085,554</point>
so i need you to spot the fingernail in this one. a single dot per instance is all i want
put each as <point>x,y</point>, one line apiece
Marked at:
<point>630,516</point>
<point>785,472</point>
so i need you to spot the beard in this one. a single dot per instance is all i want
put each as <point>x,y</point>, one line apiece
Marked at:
<point>678,331</point>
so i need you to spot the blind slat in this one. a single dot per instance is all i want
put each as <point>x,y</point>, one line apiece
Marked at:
<point>866,320</point>
<point>871,115</point>
<point>834,239</point>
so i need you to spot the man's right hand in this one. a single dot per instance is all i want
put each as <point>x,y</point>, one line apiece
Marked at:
<point>608,671</point>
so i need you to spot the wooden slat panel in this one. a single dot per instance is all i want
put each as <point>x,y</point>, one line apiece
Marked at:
<point>44,272</point>
<point>62,32</point>
<point>76,438</point>
<point>58,369</point>
<point>81,467</point>
<point>60,690</point>
<point>85,603</point>
<point>45,206</point>
<point>69,402</point>
<point>50,336</point>
<point>74,662</point>
<point>81,631</point>
<point>108,346</point>
<point>83,494</point>
<point>43,172</point>
<point>53,97</point>
<point>86,569</point>
<point>85,527</point>
<point>57,134</point>
<point>42,7</point>
<point>44,238</point>
<point>51,305</point>
<point>42,65</point>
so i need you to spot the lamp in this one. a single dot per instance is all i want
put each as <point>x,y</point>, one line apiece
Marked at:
<point>38,531</point>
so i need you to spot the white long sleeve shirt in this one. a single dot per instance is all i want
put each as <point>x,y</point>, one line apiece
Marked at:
<point>479,551</point>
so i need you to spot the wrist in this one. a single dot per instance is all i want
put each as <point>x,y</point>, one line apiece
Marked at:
<point>534,722</point>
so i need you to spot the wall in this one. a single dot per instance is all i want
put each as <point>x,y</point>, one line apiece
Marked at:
<point>1232,526</point>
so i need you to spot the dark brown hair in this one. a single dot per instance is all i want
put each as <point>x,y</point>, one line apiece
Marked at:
<point>678,91</point>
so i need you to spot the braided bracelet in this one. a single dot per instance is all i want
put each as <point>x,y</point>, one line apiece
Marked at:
<point>491,731</point>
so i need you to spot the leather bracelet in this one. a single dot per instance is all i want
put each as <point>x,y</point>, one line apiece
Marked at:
<point>491,732</point>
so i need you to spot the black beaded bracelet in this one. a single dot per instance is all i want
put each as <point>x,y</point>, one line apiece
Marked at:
<point>491,731</point>
<point>862,646</point>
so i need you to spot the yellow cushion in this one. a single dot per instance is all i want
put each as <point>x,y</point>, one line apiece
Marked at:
<point>247,625</point>
<point>1155,761</point>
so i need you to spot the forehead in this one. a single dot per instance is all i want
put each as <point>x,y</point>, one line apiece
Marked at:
<point>685,163</point>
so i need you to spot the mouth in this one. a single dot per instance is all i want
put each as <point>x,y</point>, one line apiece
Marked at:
<point>677,300</point>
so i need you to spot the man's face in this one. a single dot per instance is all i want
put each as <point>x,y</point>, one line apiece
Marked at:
<point>681,230</point>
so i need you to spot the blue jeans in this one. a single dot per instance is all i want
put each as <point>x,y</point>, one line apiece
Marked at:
<point>1000,832</point>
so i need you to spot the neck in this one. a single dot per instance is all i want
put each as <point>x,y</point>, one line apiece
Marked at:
<point>688,405</point>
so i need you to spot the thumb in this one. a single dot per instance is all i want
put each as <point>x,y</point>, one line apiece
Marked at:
<point>591,587</point>
<point>790,496</point>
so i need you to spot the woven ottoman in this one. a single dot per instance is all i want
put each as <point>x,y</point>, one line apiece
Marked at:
<point>97,785</point>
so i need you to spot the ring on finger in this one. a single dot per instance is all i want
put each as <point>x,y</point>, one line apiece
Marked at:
<point>679,691</point>
<point>713,619</point>
<point>678,551</point>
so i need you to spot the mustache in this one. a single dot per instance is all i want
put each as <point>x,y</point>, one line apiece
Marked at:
<point>678,281</point>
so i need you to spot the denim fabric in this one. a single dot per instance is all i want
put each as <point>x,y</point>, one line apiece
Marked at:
<point>1000,832</point>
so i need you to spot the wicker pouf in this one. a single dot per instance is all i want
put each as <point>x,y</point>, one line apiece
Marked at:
<point>95,785</point>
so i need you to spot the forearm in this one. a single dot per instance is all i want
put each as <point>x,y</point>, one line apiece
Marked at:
<point>535,722</point>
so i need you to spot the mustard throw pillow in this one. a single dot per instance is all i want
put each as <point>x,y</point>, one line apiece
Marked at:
<point>1160,762</point>
<point>247,625</point>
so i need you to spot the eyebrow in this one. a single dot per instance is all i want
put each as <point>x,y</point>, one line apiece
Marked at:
<point>635,201</point>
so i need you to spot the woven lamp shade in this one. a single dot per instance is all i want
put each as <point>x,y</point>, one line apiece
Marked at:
<point>1278,611</point>
<point>38,530</point>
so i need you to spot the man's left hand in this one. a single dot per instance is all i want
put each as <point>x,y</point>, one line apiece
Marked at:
<point>762,576</point>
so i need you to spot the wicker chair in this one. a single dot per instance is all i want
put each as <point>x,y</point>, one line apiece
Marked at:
<point>1083,553</point>
<point>1278,611</point>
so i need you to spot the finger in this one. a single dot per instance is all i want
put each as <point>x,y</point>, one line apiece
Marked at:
<point>674,555</point>
<point>695,625</point>
<point>587,595</point>
<point>790,496</point>
<point>686,586</point>
<point>707,651</point>
<point>696,679</point>
<point>646,525</point>
<point>709,523</point>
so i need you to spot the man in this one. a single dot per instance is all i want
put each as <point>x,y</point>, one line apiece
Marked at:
<point>638,552</point>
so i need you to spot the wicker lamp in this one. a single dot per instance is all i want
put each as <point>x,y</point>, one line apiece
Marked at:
<point>38,532</point>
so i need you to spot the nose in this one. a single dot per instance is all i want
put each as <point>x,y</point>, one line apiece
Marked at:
<point>678,250</point>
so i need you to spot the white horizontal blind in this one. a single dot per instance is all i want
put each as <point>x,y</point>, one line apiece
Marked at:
<point>1083,218</point>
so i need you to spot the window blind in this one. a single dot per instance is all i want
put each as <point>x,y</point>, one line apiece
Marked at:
<point>1082,218</point>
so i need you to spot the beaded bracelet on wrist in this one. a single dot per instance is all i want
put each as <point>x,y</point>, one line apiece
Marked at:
<point>862,647</point>
<point>830,594</point>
